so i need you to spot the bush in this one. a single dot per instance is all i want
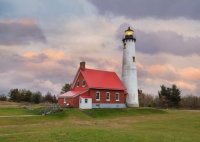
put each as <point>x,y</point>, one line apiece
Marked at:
<point>3,97</point>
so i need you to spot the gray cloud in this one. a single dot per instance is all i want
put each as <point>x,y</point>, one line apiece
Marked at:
<point>162,42</point>
<point>166,42</point>
<point>29,73</point>
<point>10,62</point>
<point>153,8</point>
<point>16,33</point>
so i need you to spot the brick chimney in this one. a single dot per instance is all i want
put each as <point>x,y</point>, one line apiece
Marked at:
<point>82,65</point>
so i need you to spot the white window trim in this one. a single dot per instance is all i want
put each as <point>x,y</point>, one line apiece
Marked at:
<point>106,96</point>
<point>99,96</point>
<point>64,100</point>
<point>83,85</point>
<point>116,96</point>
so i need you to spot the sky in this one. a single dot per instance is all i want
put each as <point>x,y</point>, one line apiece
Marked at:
<point>42,42</point>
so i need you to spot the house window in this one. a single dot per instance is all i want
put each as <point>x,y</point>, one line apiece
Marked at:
<point>78,83</point>
<point>64,100</point>
<point>107,96</point>
<point>97,96</point>
<point>86,100</point>
<point>83,84</point>
<point>117,96</point>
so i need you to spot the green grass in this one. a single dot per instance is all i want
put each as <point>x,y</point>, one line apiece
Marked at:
<point>108,125</point>
<point>116,112</point>
<point>18,111</point>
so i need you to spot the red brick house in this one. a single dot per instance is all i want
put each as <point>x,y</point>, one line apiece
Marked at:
<point>94,89</point>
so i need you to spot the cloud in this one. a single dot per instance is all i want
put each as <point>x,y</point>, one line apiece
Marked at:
<point>167,42</point>
<point>75,32</point>
<point>186,85</point>
<point>20,32</point>
<point>37,73</point>
<point>49,12</point>
<point>145,8</point>
<point>191,73</point>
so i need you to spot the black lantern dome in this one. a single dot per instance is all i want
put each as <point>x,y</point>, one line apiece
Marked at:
<point>129,35</point>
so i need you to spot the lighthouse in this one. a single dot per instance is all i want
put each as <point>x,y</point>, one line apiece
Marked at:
<point>129,72</point>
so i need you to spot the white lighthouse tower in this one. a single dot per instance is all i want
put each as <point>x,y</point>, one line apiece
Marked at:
<point>129,72</point>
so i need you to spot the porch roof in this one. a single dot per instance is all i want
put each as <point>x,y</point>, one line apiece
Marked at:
<point>73,93</point>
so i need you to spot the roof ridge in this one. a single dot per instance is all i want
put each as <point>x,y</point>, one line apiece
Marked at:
<point>100,70</point>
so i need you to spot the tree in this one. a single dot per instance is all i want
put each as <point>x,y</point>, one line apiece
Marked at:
<point>66,88</point>
<point>36,98</point>
<point>172,95</point>
<point>145,100</point>
<point>15,95</point>
<point>3,97</point>
<point>55,99</point>
<point>48,98</point>
<point>28,96</point>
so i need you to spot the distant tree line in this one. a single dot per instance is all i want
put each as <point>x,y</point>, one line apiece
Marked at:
<point>23,95</point>
<point>169,97</point>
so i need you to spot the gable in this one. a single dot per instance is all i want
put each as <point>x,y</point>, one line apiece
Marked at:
<point>79,81</point>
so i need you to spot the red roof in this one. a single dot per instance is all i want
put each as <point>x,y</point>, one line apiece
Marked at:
<point>102,79</point>
<point>73,93</point>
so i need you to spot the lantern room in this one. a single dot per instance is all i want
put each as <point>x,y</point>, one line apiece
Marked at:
<point>129,35</point>
<point>129,31</point>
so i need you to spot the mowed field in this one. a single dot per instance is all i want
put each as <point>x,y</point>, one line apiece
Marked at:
<point>98,125</point>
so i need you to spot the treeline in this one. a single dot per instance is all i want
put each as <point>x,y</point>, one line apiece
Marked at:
<point>160,101</point>
<point>186,102</point>
<point>23,95</point>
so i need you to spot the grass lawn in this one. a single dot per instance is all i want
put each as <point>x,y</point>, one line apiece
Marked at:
<point>108,125</point>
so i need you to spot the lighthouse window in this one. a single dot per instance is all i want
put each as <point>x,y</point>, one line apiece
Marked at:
<point>124,45</point>
<point>133,59</point>
<point>117,96</point>
<point>97,96</point>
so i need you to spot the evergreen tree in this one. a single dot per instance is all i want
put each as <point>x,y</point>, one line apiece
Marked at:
<point>48,98</point>
<point>28,96</point>
<point>14,95</point>
<point>36,98</point>
<point>66,88</point>
<point>172,95</point>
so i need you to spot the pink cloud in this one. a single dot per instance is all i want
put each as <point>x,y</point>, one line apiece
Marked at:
<point>185,85</point>
<point>160,69</point>
<point>27,21</point>
<point>190,73</point>
<point>51,54</point>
